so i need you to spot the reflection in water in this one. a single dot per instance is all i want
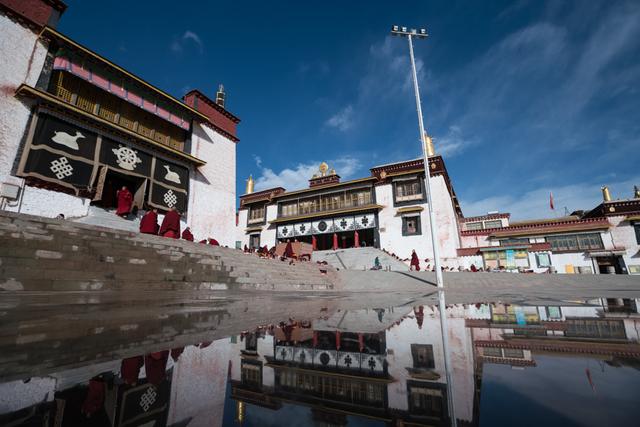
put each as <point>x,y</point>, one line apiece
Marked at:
<point>571,363</point>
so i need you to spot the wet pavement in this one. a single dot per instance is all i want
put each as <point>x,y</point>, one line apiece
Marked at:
<point>519,355</point>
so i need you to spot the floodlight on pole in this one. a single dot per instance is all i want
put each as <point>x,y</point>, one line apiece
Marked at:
<point>422,34</point>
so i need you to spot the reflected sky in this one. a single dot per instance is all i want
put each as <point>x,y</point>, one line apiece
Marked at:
<point>569,363</point>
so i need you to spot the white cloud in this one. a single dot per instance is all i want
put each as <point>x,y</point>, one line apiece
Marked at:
<point>178,44</point>
<point>258,160</point>
<point>298,177</point>
<point>535,204</point>
<point>342,120</point>
<point>453,143</point>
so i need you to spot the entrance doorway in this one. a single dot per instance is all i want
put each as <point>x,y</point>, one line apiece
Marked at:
<point>112,181</point>
<point>611,265</point>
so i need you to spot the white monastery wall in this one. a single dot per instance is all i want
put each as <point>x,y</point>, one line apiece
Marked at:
<point>47,203</point>
<point>476,241</point>
<point>624,235</point>
<point>399,339</point>
<point>23,58</point>
<point>268,234</point>
<point>212,202</point>
<point>577,259</point>
<point>198,377</point>
<point>392,239</point>
<point>241,235</point>
<point>24,55</point>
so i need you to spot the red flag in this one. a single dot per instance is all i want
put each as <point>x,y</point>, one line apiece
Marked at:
<point>551,201</point>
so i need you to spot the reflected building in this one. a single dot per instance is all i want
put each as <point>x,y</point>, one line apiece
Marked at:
<point>381,366</point>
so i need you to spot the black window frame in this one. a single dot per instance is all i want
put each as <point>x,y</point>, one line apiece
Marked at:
<point>422,200</point>
<point>405,231</point>
<point>264,216</point>
<point>430,363</point>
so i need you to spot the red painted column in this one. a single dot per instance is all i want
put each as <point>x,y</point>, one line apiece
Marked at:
<point>314,243</point>
<point>356,238</point>
<point>335,241</point>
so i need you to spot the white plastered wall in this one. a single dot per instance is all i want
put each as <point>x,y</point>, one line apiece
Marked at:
<point>27,54</point>
<point>212,187</point>
<point>390,225</point>
<point>623,235</point>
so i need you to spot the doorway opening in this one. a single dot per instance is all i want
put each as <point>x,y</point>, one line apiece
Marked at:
<point>108,185</point>
<point>611,265</point>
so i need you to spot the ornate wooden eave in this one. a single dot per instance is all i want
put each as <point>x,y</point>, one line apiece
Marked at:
<point>332,186</point>
<point>51,34</point>
<point>47,98</point>
<point>326,213</point>
<point>551,228</point>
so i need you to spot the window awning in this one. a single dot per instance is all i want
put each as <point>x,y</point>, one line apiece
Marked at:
<point>610,252</point>
<point>503,248</point>
<point>409,209</point>
<point>252,229</point>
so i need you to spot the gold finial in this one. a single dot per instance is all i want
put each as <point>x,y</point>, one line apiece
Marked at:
<point>323,169</point>
<point>606,195</point>
<point>250,183</point>
<point>431,151</point>
<point>332,172</point>
<point>636,192</point>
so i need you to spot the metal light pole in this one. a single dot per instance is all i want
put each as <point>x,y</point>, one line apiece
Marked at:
<point>403,31</point>
<point>422,34</point>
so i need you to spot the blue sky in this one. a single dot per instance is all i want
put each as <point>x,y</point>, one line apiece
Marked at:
<point>522,98</point>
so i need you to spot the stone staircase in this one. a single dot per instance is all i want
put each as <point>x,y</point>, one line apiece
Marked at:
<point>359,259</point>
<point>108,218</point>
<point>40,254</point>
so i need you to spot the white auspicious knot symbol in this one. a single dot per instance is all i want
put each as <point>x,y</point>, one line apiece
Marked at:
<point>148,398</point>
<point>170,199</point>
<point>61,168</point>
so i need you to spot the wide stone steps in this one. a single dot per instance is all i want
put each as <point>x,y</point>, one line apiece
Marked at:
<point>38,254</point>
<point>359,259</point>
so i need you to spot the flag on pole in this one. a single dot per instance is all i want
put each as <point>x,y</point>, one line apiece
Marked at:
<point>551,201</point>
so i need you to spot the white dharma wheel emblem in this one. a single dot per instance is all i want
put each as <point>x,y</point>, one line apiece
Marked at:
<point>170,199</point>
<point>126,158</point>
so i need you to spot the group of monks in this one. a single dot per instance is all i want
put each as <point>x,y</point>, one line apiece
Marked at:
<point>170,226</point>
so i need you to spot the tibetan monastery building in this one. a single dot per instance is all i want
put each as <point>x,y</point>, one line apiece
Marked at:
<point>75,128</point>
<point>388,210</point>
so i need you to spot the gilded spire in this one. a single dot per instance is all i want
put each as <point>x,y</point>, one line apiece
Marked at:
<point>250,183</point>
<point>431,151</point>
<point>636,192</point>
<point>606,195</point>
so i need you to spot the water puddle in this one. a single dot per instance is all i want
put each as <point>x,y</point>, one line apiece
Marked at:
<point>566,363</point>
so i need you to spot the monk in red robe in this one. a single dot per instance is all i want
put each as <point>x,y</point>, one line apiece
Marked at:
<point>125,200</point>
<point>186,235</point>
<point>171,225</point>
<point>415,261</point>
<point>213,242</point>
<point>155,366</point>
<point>149,222</point>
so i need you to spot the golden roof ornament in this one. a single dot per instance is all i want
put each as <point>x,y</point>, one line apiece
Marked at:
<point>606,195</point>
<point>636,192</point>
<point>323,169</point>
<point>250,184</point>
<point>431,151</point>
